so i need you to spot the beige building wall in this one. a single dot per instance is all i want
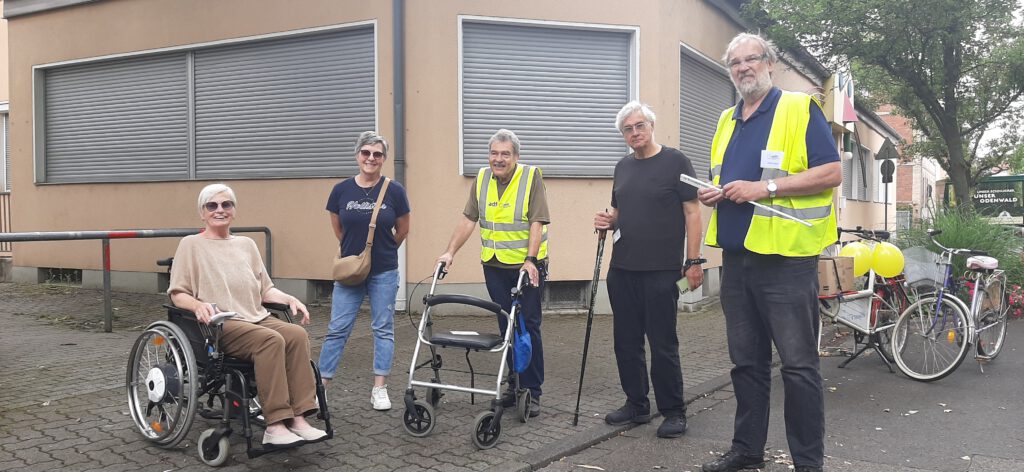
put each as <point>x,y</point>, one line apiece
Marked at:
<point>4,59</point>
<point>294,208</point>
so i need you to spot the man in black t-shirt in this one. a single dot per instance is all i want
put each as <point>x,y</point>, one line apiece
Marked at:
<point>653,212</point>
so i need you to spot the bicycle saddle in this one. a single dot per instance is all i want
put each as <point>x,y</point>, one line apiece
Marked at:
<point>982,263</point>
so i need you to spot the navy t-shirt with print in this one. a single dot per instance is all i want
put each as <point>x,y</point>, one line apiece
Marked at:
<point>354,207</point>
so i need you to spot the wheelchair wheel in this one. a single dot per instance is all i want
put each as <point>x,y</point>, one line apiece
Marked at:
<point>422,426</point>
<point>484,435</point>
<point>219,452</point>
<point>161,384</point>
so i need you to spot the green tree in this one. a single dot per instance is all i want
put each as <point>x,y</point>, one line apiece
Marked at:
<point>954,67</point>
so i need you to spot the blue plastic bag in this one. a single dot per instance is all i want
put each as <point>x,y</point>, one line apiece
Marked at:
<point>522,346</point>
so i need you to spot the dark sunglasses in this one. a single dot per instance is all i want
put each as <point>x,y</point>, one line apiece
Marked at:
<point>226,205</point>
<point>375,154</point>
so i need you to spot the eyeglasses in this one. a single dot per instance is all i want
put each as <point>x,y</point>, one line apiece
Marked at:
<point>749,60</point>
<point>367,153</point>
<point>640,127</point>
<point>226,205</point>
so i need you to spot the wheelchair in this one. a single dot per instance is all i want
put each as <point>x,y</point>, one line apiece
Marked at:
<point>176,369</point>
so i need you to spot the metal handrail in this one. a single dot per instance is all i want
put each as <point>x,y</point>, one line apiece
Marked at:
<point>106,236</point>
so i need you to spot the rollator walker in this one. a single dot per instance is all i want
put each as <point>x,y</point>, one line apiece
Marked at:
<point>419,418</point>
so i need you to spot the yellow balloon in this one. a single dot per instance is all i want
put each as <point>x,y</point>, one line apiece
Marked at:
<point>861,255</point>
<point>887,260</point>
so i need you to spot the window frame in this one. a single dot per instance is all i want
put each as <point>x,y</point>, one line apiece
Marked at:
<point>633,68</point>
<point>39,89</point>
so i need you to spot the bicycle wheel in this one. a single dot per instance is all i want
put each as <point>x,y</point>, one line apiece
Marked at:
<point>929,340</point>
<point>991,321</point>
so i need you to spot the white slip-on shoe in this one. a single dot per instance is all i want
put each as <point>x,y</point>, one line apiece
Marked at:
<point>379,397</point>
<point>284,439</point>
<point>309,434</point>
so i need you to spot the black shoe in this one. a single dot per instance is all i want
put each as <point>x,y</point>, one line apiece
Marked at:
<point>534,406</point>
<point>733,461</point>
<point>628,414</point>
<point>508,399</point>
<point>672,427</point>
<point>808,468</point>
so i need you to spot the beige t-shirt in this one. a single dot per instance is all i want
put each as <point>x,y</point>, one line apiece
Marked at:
<point>228,272</point>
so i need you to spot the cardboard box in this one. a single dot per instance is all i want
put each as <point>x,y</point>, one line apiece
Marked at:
<point>835,275</point>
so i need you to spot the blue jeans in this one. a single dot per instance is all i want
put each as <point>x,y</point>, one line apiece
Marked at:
<point>382,289</point>
<point>766,299</point>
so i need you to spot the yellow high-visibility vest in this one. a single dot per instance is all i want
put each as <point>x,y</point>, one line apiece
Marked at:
<point>769,233</point>
<point>504,226</point>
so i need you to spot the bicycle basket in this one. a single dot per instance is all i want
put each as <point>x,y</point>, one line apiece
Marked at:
<point>923,267</point>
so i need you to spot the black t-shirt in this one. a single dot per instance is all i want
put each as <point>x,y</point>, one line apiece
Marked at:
<point>649,196</point>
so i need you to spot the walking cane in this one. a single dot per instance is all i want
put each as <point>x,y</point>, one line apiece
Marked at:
<point>590,321</point>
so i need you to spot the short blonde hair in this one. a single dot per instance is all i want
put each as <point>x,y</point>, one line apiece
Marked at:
<point>209,191</point>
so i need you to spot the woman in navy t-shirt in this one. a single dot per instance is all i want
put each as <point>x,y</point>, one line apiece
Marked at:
<point>351,206</point>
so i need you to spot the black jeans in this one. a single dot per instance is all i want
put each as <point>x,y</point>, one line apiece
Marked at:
<point>771,298</point>
<point>644,303</point>
<point>499,286</point>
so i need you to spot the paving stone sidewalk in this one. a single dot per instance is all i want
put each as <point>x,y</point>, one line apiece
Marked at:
<point>63,406</point>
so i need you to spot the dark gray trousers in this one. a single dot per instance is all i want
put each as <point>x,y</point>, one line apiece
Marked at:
<point>766,299</point>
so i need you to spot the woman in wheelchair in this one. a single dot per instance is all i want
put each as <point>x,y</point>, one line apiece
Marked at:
<point>217,271</point>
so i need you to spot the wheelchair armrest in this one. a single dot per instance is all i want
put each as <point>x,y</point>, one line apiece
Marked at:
<point>215,320</point>
<point>220,318</point>
<point>275,306</point>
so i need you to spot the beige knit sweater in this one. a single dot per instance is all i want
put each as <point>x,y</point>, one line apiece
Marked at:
<point>228,272</point>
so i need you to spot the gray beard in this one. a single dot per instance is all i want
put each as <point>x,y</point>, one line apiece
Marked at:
<point>754,91</point>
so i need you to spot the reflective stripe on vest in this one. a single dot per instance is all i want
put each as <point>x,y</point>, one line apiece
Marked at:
<point>504,222</point>
<point>769,233</point>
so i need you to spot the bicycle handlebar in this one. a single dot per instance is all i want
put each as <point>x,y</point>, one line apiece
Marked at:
<point>932,233</point>
<point>872,234</point>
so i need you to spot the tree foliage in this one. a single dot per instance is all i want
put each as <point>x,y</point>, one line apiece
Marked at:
<point>954,67</point>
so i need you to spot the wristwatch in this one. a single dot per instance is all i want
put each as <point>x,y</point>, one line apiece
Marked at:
<point>532,259</point>
<point>692,262</point>
<point>772,188</point>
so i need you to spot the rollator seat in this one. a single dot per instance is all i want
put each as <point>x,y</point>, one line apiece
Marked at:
<point>483,341</point>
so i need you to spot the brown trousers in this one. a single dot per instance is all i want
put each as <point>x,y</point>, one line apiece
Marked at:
<point>280,355</point>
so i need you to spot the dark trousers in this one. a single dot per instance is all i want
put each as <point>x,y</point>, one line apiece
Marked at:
<point>644,303</point>
<point>771,298</point>
<point>500,283</point>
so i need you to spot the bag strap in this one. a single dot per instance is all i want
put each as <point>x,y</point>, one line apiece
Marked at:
<point>376,209</point>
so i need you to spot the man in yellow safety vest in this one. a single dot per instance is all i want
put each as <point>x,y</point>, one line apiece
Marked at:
<point>776,148</point>
<point>510,203</point>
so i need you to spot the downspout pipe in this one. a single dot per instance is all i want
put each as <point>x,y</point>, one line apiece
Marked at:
<point>398,57</point>
<point>398,143</point>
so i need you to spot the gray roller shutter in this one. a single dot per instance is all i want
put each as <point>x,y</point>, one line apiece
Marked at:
<point>558,89</point>
<point>121,121</point>
<point>848,178</point>
<point>285,107</point>
<point>704,92</point>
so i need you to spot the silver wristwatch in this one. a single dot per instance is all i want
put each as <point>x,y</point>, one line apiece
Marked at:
<point>772,188</point>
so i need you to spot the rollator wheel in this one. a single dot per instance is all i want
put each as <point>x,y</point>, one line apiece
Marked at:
<point>484,436</point>
<point>161,384</point>
<point>219,453</point>
<point>523,405</point>
<point>434,396</point>
<point>422,426</point>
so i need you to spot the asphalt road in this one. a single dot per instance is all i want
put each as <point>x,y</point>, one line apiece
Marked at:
<point>876,421</point>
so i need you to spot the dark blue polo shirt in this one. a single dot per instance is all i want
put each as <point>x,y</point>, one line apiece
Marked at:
<point>742,161</point>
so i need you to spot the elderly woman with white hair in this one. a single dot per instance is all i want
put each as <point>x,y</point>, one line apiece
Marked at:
<point>218,271</point>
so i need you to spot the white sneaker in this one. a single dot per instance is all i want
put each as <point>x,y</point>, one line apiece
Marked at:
<point>379,397</point>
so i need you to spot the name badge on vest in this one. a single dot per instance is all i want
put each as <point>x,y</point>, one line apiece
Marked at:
<point>771,159</point>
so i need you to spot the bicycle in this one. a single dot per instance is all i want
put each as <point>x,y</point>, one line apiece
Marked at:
<point>871,312</point>
<point>932,336</point>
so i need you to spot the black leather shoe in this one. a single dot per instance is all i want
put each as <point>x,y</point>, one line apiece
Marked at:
<point>672,427</point>
<point>534,406</point>
<point>628,414</point>
<point>733,461</point>
<point>508,399</point>
<point>808,468</point>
